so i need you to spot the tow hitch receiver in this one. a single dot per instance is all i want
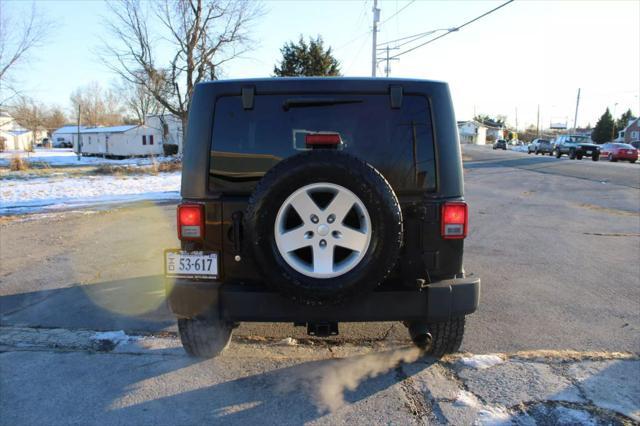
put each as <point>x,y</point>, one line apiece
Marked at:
<point>322,329</point>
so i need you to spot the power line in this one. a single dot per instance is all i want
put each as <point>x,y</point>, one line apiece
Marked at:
<point>453,29</point>
<point>398,12</point>
<point>411,36</point>
<point>362,15</point>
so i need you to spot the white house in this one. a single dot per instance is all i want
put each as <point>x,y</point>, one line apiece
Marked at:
<point>119,141</point>
<point>64,135</point>
<point>494,133</point>
<point>169,126</point>
<point>472,132</point>
<point>14,137</point>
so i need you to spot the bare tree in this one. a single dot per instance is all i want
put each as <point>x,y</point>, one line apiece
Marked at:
<point>201,35</point>
<point>98,107</point>
<point>29,114</point>
<point>54,118</point>
<point>17,40</point>
<point>138,101</point>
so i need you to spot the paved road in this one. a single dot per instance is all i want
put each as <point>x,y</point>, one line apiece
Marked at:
<point>556,243</point>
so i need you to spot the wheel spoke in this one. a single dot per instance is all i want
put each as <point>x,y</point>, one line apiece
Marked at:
<point>351,239</point>
<point>304,205</point>
<point>323,259</point>
<point>340,205</point>
<point>294,240</point>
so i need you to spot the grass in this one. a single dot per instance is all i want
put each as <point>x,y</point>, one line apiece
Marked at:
<point>18,164</point>
<point>21,168</point>
<point>154,168</point>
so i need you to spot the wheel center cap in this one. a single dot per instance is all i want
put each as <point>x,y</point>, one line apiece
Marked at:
<point>323,230</point>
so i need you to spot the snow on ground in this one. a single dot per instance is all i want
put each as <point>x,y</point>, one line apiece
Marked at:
<point>113,336</point>
<point>19,196</point>
<point>66,157</point>
<point>519,148</point>
<point>481,361</point>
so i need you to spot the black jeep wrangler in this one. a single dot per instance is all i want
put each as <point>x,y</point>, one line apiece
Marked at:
<point>319,200</point>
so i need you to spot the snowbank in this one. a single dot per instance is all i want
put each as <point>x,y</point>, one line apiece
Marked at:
<point>60,192</point>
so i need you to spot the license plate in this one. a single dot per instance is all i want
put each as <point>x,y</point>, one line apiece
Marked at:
<point>588,152</point>
<point>192,264</point>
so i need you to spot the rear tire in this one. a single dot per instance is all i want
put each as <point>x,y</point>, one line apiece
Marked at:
<point>204,337</point>
<point>446,337</point>
<point>595,157</point>
<point>572,155</point>
<point>579,156</point>
<point>632,161</point>
<point>558,154</point>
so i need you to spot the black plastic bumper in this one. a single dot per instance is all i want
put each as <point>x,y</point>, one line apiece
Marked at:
<point>436,302</point>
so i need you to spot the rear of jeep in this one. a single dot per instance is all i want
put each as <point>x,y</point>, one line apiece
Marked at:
<point>316,201</point>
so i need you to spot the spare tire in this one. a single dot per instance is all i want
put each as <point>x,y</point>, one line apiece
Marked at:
<point>325,227</point>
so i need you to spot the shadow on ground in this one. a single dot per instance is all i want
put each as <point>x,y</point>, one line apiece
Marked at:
<point>135,304</point>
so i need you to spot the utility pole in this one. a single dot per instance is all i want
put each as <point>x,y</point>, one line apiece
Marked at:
<point>575,117</point>
<point>613,128</point>
<point>387,58</point>
<point>374,41</point>
<point>78,135</point>
<point>538,123</point>
<point>516,119</point>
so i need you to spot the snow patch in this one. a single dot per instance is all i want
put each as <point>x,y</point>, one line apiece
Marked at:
<point>494,416</point>
<point>466,399</point>
<point>116,337</point>
<point>569,416</point>
<point>486,414</point>
<point>55,193</point>
<point>481,362</point>
<point>289,341</point>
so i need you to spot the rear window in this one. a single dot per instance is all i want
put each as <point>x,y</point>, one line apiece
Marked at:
<point>247,143</point>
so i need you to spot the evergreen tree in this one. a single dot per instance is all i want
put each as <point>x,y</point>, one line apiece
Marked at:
<point>307,59</point>
<point>604,128</point>
<point>621,123</point>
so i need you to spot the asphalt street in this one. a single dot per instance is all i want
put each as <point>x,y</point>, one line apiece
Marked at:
<point>555,340</point>
<point>556,243</point>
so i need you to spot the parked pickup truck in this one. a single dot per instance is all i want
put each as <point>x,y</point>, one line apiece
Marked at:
<point>540,146</point>
<point>575,147</point>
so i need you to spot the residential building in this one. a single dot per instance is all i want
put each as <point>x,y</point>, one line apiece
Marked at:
<point>472,132</point>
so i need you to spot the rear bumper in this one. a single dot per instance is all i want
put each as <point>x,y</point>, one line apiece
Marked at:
<point>626,157</point>
<point>437,302</point>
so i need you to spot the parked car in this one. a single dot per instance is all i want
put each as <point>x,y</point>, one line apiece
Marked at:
<point>576,147</point>
<point>614,151</point>
<point>635,144</point>
<point>62,143</point>
<point>299,206</point>
<point>540,146</point>
<point>500,144</point>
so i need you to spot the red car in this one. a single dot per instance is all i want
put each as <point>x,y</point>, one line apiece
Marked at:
<point>619,151</point>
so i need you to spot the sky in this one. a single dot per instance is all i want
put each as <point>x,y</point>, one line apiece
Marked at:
<point>526,55</point>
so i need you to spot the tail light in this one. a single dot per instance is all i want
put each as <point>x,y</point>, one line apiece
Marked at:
<point>322,139</point>
<point>455,219</point>
<point>190,221</point>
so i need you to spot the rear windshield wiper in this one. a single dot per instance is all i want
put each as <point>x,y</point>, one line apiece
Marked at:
<point>312,102</point>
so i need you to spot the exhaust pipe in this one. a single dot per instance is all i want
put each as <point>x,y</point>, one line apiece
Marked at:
<point>420,335</point>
